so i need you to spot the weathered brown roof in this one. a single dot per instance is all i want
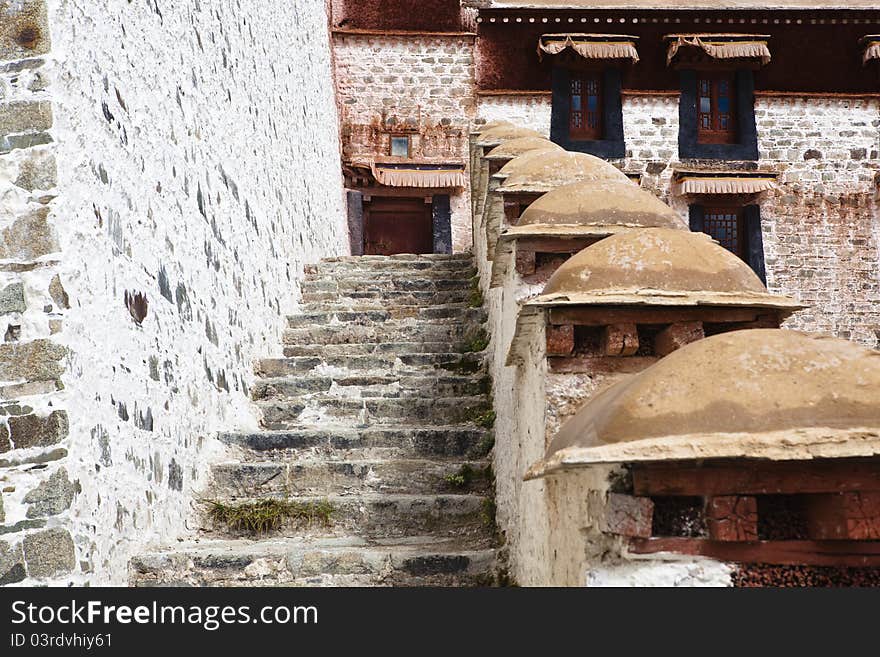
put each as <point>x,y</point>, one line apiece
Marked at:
<point>541,171</point>
<point>671,4</point>
<point>505,132</point>
<point>762,393</point>
<point>480,129</point>
<point>658,266</point>
<point>599,203</point>
<point>516,147</point>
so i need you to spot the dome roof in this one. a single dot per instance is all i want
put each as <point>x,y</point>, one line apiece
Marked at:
<point>516,147</point>
<point>541,171</point>
<point>502,133</point>
<point>480,129</point>
<point>658,266</point>
<point>761,393</point>
<point>597,206</point>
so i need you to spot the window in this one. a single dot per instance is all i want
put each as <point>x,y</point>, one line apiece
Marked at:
<point>585,114</point>
<point>736,227</point>
<point>726,226</point>
<point>716,101</point>
<point>400,146</point>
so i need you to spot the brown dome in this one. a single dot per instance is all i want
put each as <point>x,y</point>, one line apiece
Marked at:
<point>612,204</point>
<point>763,393</point>
<point>480,129</point>
<point>502,133</point>
<point>516,147</point>
<point>658,266</point>
<point>542,171</point>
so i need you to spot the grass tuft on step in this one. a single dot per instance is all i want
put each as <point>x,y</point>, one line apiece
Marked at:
<point>268,515</point>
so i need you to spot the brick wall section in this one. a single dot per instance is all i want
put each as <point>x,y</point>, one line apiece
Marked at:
<point>419,84</point>
<point>821,228</point>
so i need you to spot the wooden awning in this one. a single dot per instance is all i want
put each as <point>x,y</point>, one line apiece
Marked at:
<point>722,46</point>
<point>871,44</point>
<point>707,182</point>
<point>591,46</point>
<point>415,175</point>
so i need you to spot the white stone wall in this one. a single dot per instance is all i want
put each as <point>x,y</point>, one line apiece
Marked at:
<point>198,166</point>
<point>529,111</point>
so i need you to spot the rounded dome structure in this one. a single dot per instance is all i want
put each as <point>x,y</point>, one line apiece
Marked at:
<point>658,266</point>
<point>596,207</point>
<point>516,147</point>
<point>502,133</point>
<point>760,393</point>
<point>539,172</point>
<point>477,130</point>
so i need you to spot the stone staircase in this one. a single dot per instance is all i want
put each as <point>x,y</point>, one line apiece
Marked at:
<point>372,468</point>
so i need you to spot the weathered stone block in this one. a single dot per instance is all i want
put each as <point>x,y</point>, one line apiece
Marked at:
<point>58,293</point>
<point>12,299</point>
<point>29,237</point>
<point>11,564</point>
<point>49,553</point>
<point>675,336</point>
<point>5,445</point>
<point>37,171</point>
<point>39,360</point>
<point>2,511</point>
<point>25,116</point>
<point>560,340</point>
<point>52,496</point>
<point>9,143</point>
<point>626,515</point>
<point>34,431</point>
<point>620,340</point>
<point>24,29</point>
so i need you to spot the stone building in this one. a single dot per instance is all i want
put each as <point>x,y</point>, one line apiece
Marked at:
<point>348,292</point>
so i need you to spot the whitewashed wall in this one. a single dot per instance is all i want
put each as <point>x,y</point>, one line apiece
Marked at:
<point>198,165</point>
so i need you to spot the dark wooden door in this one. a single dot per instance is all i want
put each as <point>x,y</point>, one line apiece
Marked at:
<point>398,225</point>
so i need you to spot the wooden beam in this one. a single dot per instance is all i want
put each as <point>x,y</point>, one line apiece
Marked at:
<point>732,518</point>
<point>849,554</point>
<point>844,516</point>
<point>555,244</point>
<point>626,515</point>
<point>677,335</point>
<point>620,340</point>
<point>593,364</point>
<point>758,478</point>
<point>604,315</point>
<point>560,340</point>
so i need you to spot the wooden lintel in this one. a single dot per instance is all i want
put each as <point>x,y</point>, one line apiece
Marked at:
<point>604,315</point>
<point>594,364</point>
<point>570,245</point>
<point>853,554</point>
<point>844,516</point>
<point>758,478</point>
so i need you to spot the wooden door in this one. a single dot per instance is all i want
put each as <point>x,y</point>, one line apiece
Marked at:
<point>398,225</point>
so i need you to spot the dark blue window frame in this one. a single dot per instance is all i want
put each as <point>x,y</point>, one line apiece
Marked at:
<point>612,146</point>
<point>746,147</point>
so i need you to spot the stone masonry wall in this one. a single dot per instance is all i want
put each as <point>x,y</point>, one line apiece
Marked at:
<point>420,85</point>
<point>197,172</point>
<point>820,226</point>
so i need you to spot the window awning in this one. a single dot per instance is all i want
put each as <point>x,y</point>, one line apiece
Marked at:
<point>871,44</point>
<point>419,175</point>
<point>591,46</point>
<point>722,46</point>
<point>723,182</point>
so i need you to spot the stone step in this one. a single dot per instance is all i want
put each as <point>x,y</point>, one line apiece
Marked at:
<point>395,297</point>
<point>382,516</point>
<point>385,284</point>
<point>457,363</point>
<point>372,348</point>
<point>413,410</point>
<point>406,263</point>
<point>420,442</point>
<point>347,477</point>
<point>391,331</point>
<point>370,386</point>
<point>435,316</point>
<point>346,562</point>
<point>392,310</point>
